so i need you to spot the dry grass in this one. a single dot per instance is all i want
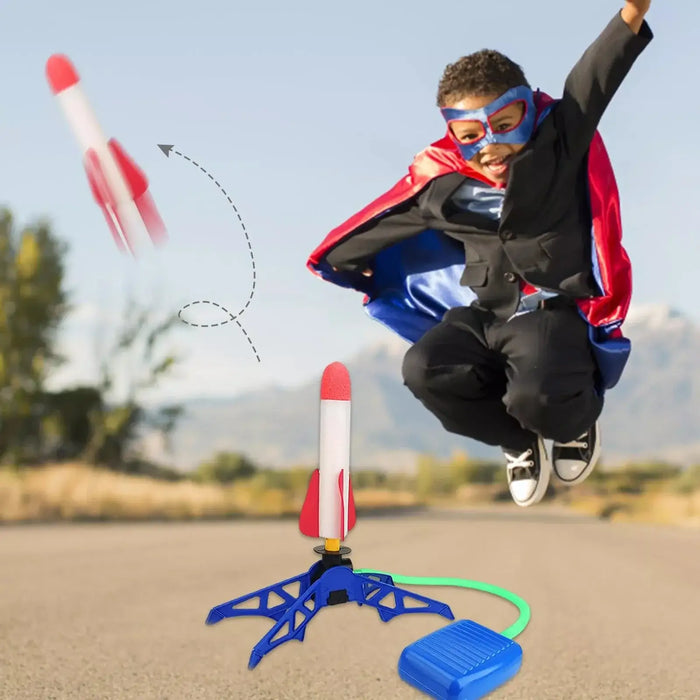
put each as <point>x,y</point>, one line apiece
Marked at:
<point>476,494</point>
<point>659,507</point>
<point>79,492</point>
<point>377,499</point>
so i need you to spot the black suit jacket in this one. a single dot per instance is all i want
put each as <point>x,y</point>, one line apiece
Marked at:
<point>544,233</point>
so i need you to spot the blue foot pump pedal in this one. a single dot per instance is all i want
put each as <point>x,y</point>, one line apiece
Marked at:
<point>462,661</point>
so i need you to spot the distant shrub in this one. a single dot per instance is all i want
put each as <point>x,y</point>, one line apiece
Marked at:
<point>633,478</point>
<point>599,475</point>
<point>272,479</point>
<point>298,480</point>
<point>141,467</point>
<point>434,477</point>
<point>480,472</point>
<point>628,484</point>
<point>688,481</point>
<point>401,482</point>
<point>225,468</point>
<point>650,471</point>
<point>502,495</point>
<point>608,510</point>
<point>464,470</point>
<point>369,479</point>
<point>293,482</point>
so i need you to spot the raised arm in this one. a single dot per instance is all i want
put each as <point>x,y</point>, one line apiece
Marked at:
<point>594,80</point>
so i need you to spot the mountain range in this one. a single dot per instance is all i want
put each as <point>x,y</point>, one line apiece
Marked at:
<point>653,413</point>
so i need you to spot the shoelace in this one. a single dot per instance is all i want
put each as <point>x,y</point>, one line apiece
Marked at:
<point>519,462</point>
<point>575,443</point>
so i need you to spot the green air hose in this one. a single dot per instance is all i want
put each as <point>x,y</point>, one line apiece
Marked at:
<point>511,632</point>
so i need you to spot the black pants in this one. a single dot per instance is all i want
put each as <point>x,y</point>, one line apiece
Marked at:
<point>502,382</point>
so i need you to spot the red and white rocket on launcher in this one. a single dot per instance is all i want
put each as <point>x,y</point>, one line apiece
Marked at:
<point>329,507</point>
<point>119,187</point>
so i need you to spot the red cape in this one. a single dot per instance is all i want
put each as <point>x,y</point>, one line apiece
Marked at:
<point>442,158</point>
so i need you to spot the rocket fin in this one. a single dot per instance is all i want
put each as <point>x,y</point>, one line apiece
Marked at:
<point>341,528</point>
<point>151,218</point>
<point>137,184</point>
<point>103,196</point>
<point>133,175</point>
<point>308,518</point>
<point>351,505</point>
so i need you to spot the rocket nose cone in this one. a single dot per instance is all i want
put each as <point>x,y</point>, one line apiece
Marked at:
<point>335,383</point>
<point>60,73</point>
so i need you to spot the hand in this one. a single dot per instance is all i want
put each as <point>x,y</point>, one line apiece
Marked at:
<point>633,13</point>
<point>640,5</point>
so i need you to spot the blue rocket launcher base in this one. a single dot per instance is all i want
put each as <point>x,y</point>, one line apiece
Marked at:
<point>330,581</point>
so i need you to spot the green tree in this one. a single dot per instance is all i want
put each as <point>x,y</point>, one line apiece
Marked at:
<point>33,302</point>
<point>66,426</point>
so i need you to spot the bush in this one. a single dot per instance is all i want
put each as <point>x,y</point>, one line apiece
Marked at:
<point>369,479</point>
<point>650,471</point>
<point>434,478</point>
<point>633,478</point>
<point>688,481</point>
<point>628,484</point>
<point>142,467</point>
<point>610,509</point>
<point>225,468</point>
<point>480,472</point>
<point>464,470</point>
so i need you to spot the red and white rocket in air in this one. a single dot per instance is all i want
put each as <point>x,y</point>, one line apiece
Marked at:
<point>119,187</point>
<point>329,507</point>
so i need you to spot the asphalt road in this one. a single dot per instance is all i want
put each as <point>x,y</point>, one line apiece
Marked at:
<point>117,611</point>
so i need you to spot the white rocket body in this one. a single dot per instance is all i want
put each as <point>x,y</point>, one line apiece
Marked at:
<point>334,465</point>
<point>118,185</point>
<point>89,134</point>
<point>329,508</point>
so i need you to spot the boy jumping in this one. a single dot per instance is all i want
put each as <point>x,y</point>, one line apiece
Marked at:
<point>499,256</point>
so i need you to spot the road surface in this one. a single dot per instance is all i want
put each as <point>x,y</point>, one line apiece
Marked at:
<point>117,610</point>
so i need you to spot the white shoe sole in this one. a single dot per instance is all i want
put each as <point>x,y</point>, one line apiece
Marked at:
<point>587,471</point>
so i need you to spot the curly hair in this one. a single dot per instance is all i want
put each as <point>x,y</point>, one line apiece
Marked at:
<point>480,74</point>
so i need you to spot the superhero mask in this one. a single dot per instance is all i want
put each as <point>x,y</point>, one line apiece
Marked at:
<point>482,119</point>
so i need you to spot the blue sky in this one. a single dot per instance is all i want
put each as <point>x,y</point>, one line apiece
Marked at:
<point>304,113</point>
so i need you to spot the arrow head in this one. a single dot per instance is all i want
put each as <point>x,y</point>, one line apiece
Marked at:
<point>166,148</point>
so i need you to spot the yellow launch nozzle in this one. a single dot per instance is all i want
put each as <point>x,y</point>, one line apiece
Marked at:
<point>332,545</point>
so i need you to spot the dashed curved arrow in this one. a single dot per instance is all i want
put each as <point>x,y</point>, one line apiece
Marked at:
<point>167,149</point>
